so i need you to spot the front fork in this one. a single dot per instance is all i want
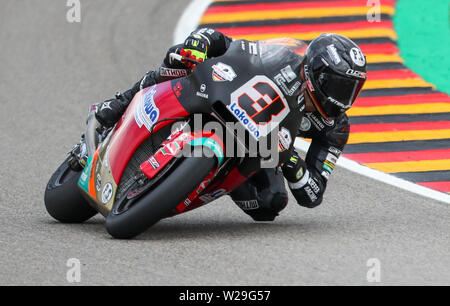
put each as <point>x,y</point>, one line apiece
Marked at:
<point>88,144</point>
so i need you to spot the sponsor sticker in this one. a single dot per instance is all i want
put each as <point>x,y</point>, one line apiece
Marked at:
<point>98,184</point>
<point>332,52</point>
<point>330,164</point>
<point>305,125</point>
<point>327,166</point>
<point>259,105</point>
<point>147,113</point>
<point>223,72</point>
<point>358,74</point>
<point>206,30</point>
<point>332,158</point>
<point>281,81</point>
<point>300,100</point>
<point>253,48</point>
<point>288,73</point>
<point>248,205</point>
<point>177,89</point>
<point>302,108</point>
<point>171,149</point>
<point>313,185</point>
<point>285,139</point>
<point>203,186</point>
<point>336,102</point>
<point>245,119</point>
<point>83,182</point>
<point>172,73</point>
<point>326,175</point>
<point>300,173</point>
<point>187,202</point>
<point>154,163</point>
<point>84,177</point>
<point>202,95</point>
<point>107,193</point>
<point>213,196</point>
<point>310,194</point>
<point>335,151</point>
<point>357,57</point>
<point>318,124</point>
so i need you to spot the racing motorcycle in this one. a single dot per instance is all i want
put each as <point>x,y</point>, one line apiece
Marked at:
<point>135,174</point>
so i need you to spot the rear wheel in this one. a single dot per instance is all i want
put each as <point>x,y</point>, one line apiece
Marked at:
<point>159,202</point>
<point>63,200</point>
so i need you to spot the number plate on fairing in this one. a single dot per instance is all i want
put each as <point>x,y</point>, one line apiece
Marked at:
<point>259,105</point>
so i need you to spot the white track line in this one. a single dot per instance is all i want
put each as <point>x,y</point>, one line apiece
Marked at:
<point>381,176</point>
<point>189,22</point>
<point>190,19</point>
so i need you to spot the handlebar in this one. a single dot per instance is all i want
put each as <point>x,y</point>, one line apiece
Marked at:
<point>180,58</point>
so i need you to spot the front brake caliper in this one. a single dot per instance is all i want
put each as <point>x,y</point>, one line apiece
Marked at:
<point>78,156</point>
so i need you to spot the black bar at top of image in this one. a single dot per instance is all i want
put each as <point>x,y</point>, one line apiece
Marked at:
<point>397,146</point>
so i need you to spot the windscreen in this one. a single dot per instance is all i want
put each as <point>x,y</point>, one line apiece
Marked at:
<point>272,50</point>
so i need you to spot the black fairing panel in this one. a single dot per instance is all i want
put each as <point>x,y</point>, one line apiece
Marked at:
<point>199,91</point>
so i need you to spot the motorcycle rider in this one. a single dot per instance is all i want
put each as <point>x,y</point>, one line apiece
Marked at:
<point>332,73</point>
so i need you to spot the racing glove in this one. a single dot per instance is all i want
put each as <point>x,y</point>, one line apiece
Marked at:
<point>294,169</point>
<point>195,47</point>
<point>110,111</point>
<point>306,187</point>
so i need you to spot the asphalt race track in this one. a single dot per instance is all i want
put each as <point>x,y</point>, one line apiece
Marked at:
<point>52,70</point>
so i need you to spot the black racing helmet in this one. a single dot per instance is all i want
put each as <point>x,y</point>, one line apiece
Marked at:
<point>334,70</point>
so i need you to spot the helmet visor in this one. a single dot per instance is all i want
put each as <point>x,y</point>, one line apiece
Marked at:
<point>344,90</point>
<point>340,91</point>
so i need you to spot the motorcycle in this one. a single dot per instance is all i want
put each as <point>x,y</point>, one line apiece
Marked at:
<point>140,171</point>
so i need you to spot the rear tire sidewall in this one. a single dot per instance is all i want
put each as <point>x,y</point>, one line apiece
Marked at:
<point>159,202</point>
<point>63,199</point>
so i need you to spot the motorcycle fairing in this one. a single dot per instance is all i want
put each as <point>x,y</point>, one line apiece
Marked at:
<point>107,165</point>
<point>197,93</point>
<point>129,135</point>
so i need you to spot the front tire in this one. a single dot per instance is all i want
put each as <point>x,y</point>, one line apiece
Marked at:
<point>63,200</point>
<point>158,203</point>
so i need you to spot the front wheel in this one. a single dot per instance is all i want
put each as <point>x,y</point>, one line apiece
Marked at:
<point>158,203</point>
<point>63,200</point>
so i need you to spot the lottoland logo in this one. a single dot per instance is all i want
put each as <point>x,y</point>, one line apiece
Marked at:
<point>244,118</point>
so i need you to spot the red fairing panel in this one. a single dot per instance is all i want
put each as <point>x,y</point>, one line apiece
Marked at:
<point>148,106</point>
